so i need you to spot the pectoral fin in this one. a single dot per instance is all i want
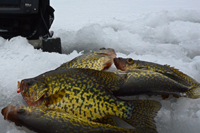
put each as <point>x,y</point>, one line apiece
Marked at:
<point>55,98</point>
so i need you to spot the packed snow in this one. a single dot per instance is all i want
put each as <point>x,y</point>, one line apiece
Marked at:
<point>160,31</point>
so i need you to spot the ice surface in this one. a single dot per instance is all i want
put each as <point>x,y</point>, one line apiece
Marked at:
<point>165,32</point>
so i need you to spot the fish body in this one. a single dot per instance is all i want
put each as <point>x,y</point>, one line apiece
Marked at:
<point>130,64</point>
<point>183,82</point>
<point>99,60</point>
<point>140,81</point>
<point>86,93</point>
<point>49,121</point>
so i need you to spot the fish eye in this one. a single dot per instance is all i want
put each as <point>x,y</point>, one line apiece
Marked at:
<point>130,61</point>
<point>20,111</point>
<point>29,82</point>
<point>102,48</point>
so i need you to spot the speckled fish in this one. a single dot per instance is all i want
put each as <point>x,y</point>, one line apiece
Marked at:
<point>130,64</point>
<point>47,121</point>
<point>99,60</point>
<point>86,94</point>
<point>140,82</point>
<point>168,78</point>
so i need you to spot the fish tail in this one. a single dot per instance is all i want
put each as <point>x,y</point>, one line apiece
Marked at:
<point>143,114</point>
<point>194,92</point>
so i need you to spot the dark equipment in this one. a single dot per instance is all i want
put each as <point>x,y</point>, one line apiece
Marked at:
<point>31,19</point>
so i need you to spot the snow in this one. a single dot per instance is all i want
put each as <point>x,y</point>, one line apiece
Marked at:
<point>160,31</point>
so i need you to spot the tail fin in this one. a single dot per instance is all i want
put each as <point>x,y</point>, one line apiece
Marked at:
<point>143,114</point>
<point>194,92</point>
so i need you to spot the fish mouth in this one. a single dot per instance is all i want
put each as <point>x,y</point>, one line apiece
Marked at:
<point>120,63</point>
<point>108,52</point>
<point>6,112</point>
<point>21,86</point>
<point>31,102</point>
<point>107,65</point>
<point>30,99</point>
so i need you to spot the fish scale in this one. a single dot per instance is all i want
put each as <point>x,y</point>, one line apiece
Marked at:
<point>99,60</point>
<point>43,120</point>
<point>93,100</point>
<point>167,80</point>
<point>171,72</point>
<point>149,82</point>
<point>104,105</point>
<point>92,95</point>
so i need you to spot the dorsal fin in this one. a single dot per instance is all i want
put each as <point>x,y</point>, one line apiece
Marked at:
<point>184,76</point>
<point>143,114</point>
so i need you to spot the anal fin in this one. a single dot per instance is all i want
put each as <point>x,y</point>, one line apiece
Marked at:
<point>143,114</point>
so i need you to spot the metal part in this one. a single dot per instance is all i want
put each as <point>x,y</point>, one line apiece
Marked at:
<point>47,45</point>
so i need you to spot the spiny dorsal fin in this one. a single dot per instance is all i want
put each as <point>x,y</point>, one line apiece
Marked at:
<point>183,75</point>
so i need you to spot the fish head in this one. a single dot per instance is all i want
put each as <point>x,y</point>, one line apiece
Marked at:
<point>103,59</point>
<point>121,63</point>
<point>100,60</point>
<point>106,62</point>
<point>20,114</point>
<point>32,91</point>
<point>128,64</point>
<point>108,52</point>
<point>9,113</point>
<point>12,112</point>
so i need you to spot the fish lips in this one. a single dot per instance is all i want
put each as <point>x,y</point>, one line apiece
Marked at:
<point>10,113</point>
<point>29,97</point>
<point>23,86</point>
<point>120,63</point>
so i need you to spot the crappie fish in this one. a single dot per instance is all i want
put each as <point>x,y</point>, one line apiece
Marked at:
<point>130,64</point>
<point>140,81</point>
<point>99,60</point>
<point>86,93</point>
<point>167,72</point>
<point>42,120</point>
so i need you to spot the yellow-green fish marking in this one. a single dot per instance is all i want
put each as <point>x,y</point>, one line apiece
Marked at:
<point>42,120</point>
<point>99,60</point>
<point>86,93</point>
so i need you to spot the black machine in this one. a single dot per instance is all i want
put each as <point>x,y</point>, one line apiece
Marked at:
<point>28,18</point>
